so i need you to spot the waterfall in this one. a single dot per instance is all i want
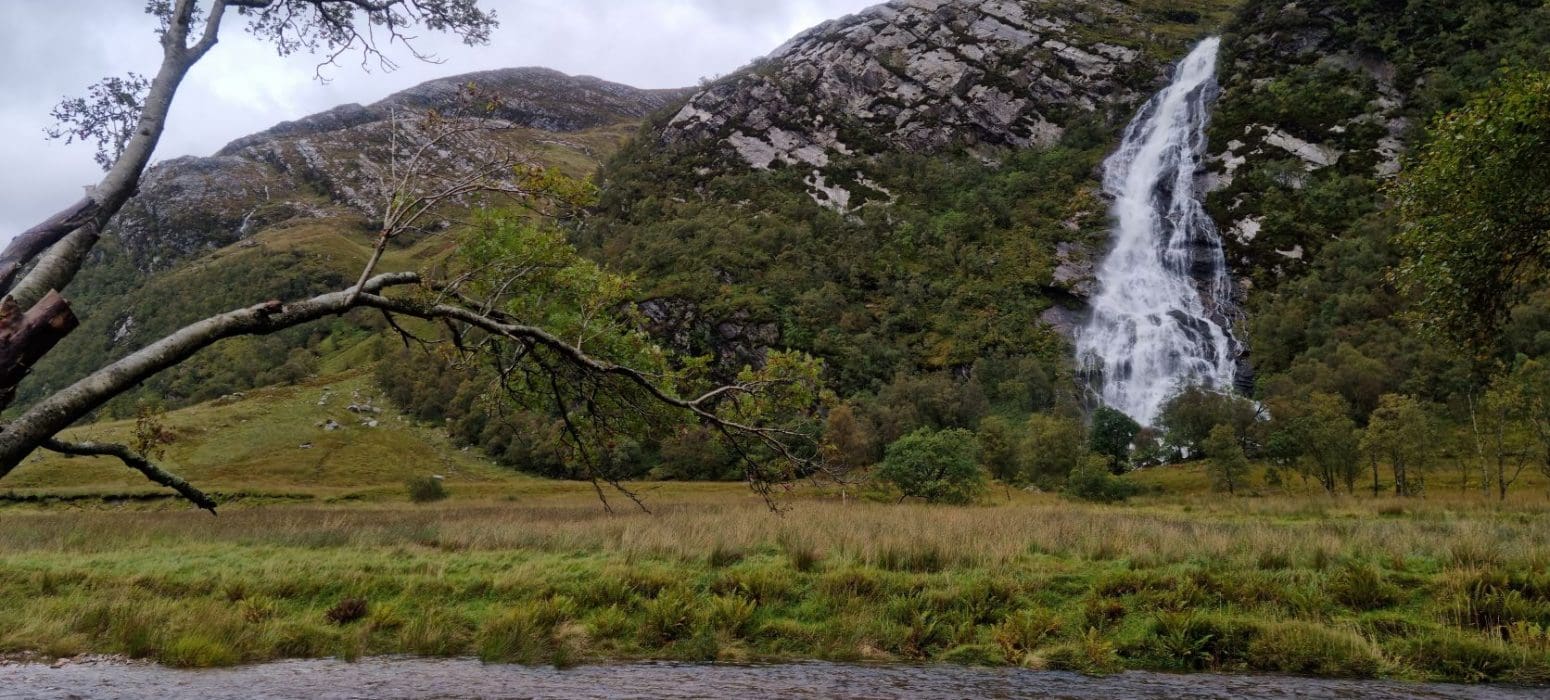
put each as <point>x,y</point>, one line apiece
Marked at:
<point>1160,320</point>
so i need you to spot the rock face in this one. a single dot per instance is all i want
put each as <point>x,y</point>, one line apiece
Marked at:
<point>919,76</point>
<point>329,163</point>
<point>538,98</point>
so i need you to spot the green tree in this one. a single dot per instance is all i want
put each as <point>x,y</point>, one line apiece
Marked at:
<point>1477,233</point>
<point>1320,432</point>
<point>1111,435</point>
<point>936,401</point>
<point>1401,433</point>
<point>1053,447</point>
<point>938,467</point>
<point>1504,436</point>
<point>1092,481</point>
<point>1228,465</point>
<point>1188,417</point>
<point>999,443</point>
<point>849,443</point>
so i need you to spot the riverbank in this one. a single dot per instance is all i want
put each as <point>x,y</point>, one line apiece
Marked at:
<point>379,678</point>
<point>1438,590</point>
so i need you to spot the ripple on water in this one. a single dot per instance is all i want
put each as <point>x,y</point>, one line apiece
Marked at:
<point>460,678</point>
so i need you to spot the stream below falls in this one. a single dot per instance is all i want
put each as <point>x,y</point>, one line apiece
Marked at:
<point>466,678</point>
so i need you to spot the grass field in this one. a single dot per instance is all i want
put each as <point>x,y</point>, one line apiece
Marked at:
<point>319,553</point>
<point>1430,590</point>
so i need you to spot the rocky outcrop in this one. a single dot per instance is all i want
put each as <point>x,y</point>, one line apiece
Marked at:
<point>538,98</point>
<point>329,164</point>
<point>919,75</point>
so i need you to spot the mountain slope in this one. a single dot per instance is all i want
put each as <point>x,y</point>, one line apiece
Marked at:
<point>910,189</point>
<point>1322,102</point>
<point>288,213</point>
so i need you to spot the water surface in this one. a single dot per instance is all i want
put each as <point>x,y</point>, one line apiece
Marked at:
<point>427,678</point>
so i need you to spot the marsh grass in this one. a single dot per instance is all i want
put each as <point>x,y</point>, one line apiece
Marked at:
<point>1446,589</point>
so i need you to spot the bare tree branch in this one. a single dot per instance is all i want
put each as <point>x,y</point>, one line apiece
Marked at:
<point>57,412</point>
<point>137,462</point>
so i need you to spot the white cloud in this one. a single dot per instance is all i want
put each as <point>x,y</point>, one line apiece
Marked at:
<point>52,48</point>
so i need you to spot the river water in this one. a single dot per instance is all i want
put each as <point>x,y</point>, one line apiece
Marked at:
<point>435,678</point>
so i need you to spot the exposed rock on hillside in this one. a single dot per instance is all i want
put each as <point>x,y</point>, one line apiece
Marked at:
<point>921,76</point>
<point>330,162</point>
<point>957,141</point>
<point>538,98</point>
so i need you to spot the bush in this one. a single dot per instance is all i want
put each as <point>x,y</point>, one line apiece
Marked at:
<point>939,467</point>
<point>1091,654</point>
<point>1228,466</point>
<point>1458,657</point>
<point>1111,436</point>
<point>1024,631</point>
<point>426,489</point>
<point>1054,447</point>
<point>198,651</point>
<point>1362,587</point>
<point>1308,648</point>
<point>347,611</point>
<point>1093,482</point>
<point>667,618</point>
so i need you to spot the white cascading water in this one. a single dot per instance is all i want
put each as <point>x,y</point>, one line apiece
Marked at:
<point>1159,321</point>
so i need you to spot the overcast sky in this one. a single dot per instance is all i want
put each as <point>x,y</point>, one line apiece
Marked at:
<point>53,48</point>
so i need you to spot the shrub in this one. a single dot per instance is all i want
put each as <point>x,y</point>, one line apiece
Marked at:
<point>1024,631</point>
<point>426,489</point>
<point>1361,587</point>
<point>1092,654</point>
<point>939,467</point>
<point>1188,641</point>
<point>527,633</point>
<point>346,611</point>
<point>1111,436</point>
<point>732,614</point>
<point>1093,482</point>
<point>1308,648</point>
<point>667,618</point>
<point>1453,656</point>
<point>763,583</point>
<point>197,651</point>
<point>1053,447</point>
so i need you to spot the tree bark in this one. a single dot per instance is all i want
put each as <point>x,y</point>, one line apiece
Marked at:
<point>28,244</point>
<point>26,337</point>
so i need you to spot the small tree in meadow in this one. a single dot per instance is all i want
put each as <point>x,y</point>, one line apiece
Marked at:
<point>1228,466</point>
<point>1053,447</point>
<point>938,467</point>
<point>849,443</point>
<point>1111,436</point>
<point>1092,482</point>
<point>999,440</point>
<point>1401,433</point>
